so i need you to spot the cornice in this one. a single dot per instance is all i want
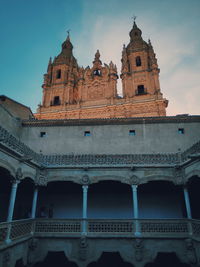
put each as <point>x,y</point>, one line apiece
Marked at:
<point>112,121</point>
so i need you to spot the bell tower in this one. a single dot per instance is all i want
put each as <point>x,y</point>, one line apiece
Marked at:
<point>61,78</point>
<point>140,72</point>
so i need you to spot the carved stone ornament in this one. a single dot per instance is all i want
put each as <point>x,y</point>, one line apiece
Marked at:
<point>138,249</point>
<point>85,180</point>
<point>6,258</point>
<point>134,180</point>
<point>19,174</point>
<point>179,175</point>
<point>190,251</point>
<point>83,248</point>
<point>41,178</point>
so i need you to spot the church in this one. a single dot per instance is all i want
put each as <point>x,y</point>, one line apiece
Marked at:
<point>97,178</point>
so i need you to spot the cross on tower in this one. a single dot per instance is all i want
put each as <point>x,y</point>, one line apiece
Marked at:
<point>134,18</point>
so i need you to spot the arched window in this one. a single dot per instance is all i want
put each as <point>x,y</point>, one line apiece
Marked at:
<point>138,61</point>
<point>56,100</point>
<point>58,74</point>
<point>141,90</point>
<point>97,72</point>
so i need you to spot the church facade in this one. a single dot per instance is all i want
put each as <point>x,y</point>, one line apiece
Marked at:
<point>73,92</point>
<point>94,179</point>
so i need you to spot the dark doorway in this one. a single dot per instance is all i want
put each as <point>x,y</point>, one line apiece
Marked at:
<point>5,188</point>
<point>19,263</point>
<point>56,259</point>
<point>167,260</point>
<point>109,259</point>
<point>193,188</point>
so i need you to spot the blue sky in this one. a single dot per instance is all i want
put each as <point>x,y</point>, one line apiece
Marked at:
<point>33,30</point>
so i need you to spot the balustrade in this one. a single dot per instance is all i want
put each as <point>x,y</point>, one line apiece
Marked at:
<point>149,228</point>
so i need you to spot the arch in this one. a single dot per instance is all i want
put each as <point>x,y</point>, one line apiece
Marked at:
<point>58,74</point>
<point>191,174</point>
<point>64,178</point>
<point>158,177</point>
<point>6,165</point>
<point>53,258</point>
<point>117,178</point>
<point>108,259</point>
<point>168,259</point>
<point>154,200</point>
<point>28,174</point>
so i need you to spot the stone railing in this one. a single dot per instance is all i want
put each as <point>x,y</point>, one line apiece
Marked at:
<point>94,160</point>
<point>16,229</point>
<point>100,228</point>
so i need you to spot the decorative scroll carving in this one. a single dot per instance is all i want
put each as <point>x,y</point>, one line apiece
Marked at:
<point>190,251</point>
<point>83,248</point>
<point>138,249</point>
<point>85,180</point>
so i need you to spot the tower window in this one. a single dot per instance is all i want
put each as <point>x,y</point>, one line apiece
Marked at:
<point>42,134</point>
<point>141,90</point>
<point>181,131</point>
<point>58,74</point>
<point>132,132</point>
<point>56,101</point>
<point>87,133</point>
<point>138,61</point>
<point>97,72</point>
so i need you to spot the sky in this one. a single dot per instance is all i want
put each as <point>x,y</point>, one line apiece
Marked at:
<point>33,30</point>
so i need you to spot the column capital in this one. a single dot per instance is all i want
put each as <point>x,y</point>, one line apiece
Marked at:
<point>133,180</point>
<point>85,188</point>
<point>85,180</point>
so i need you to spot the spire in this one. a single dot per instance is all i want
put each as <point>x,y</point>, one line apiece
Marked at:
<point>135,33</point>
<point>97,60</point>
<point>49,65</point>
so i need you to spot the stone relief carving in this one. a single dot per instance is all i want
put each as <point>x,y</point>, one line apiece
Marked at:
<point>139,247</point>
<point>179,175</point>
<point>85,180</point>
<point>134,180</point>
<point>19,174</point>
<point>41,177</point>
<point>190,251</point>
<point>83,248</point>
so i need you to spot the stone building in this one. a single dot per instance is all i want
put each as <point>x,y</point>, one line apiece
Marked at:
<point>73,92</point>
<point>94,179</point>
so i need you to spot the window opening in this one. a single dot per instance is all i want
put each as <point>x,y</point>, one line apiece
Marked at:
<point>87,133</point>
<point>138,61</point>
<point>181,131</point>
<point>58,74</point>
<point>140,89</point>
<point>56,101</point>
<point>42,134</point>
<point>132,132</point>
<point>97,72</point>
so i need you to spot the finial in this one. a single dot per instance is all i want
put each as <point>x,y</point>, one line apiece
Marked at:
<point>68,34</point>
<point>134,18</point>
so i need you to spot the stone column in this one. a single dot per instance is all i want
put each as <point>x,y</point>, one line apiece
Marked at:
<point>12,200</point>
<point>85,190</point>
<point>135,208</point>
<point>187,202</point>
<point>34,203</point>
